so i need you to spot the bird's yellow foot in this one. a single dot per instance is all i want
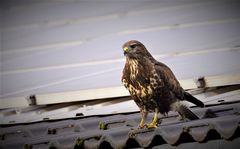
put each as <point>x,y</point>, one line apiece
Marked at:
<point>141,126</point>
<point>152,125</point>
<point>142,123</point>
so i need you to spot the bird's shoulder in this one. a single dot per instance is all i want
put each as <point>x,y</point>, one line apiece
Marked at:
<point>168,78</point>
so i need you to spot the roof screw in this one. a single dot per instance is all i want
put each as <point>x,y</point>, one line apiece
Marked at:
<point>32,100</point>
<point>200,82</point>
<point>46,118</point>
<point>103,126</point>
<point>52,131</point>
<point>132,134</point>
<point>27,146</point>
<point>79,142</point>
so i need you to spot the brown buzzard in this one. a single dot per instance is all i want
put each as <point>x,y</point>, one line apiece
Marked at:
<point>153,85</point>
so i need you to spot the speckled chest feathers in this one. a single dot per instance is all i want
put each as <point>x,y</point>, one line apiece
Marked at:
<point>142,82</point>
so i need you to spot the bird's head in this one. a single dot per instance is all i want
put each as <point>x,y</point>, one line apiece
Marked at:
<point>135,49</point>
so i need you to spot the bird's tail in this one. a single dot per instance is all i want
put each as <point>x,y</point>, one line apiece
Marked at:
<point>183,111</point>
<point>192,99</point>
<point>186,113</point>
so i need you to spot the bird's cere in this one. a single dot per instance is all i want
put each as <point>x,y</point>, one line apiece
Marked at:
<point>125,49</point>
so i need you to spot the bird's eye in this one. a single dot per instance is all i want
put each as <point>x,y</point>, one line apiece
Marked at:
<point>133,46</point>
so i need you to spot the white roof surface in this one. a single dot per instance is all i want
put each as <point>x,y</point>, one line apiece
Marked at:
<point>60,46</point>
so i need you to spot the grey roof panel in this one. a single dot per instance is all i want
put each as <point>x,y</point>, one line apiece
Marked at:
<point>120,130</point>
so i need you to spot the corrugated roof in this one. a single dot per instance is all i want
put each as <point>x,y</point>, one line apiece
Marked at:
<point>120,130</point>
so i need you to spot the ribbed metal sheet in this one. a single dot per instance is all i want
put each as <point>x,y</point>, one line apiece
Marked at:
<point>120,130</point>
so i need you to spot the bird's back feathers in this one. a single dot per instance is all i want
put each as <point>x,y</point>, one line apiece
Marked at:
<point>174,86</point>
<point>169,79</point>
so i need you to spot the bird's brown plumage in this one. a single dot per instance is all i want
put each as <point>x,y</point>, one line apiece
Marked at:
<point>152,84</point>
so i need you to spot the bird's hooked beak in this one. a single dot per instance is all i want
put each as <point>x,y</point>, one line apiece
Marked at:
<point>125,50</point>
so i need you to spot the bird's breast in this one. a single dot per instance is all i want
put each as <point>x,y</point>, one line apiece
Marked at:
<point>140,78</point>
<point>135,88</point>
<point>134,69</point>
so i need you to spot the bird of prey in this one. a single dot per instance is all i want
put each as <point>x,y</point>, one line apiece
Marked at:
<point>153,86</point>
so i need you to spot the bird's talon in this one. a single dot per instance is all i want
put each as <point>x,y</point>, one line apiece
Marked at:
<point>149,126</point>
<point>142,126</point>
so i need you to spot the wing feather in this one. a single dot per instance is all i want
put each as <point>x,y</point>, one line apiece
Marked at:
<point>169,80</point>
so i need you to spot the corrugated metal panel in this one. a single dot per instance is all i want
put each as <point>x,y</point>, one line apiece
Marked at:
<point>120,131</point>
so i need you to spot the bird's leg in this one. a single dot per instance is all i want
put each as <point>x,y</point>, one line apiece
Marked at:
<point>181,117</point>
<point>144,114</point>
<point>154,122</point>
